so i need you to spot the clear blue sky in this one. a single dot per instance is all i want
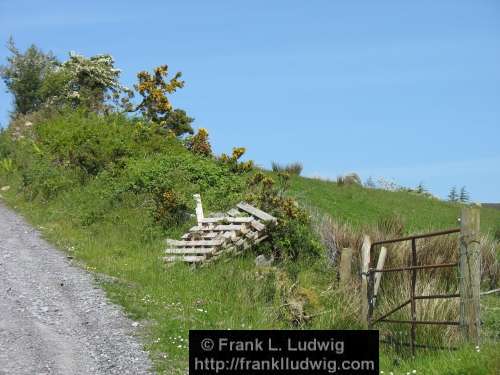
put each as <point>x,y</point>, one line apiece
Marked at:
<point>407,90</point>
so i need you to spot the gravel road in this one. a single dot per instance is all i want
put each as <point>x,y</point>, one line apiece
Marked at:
<point>54,319</point>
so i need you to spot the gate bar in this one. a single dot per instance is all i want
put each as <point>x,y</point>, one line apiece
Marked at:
<point>446,322</point>
<point>443,265</point>
<point>432,234</point>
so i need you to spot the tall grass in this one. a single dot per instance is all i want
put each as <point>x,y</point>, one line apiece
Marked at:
<point>292,168</point>
<point>395,287</point>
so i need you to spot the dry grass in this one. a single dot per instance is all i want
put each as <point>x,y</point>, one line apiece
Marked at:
<point>292,168</point>
<point>395,287</point>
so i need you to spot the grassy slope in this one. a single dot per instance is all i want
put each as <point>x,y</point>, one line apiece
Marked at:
<point>361,206</point>
<point>127,245</point>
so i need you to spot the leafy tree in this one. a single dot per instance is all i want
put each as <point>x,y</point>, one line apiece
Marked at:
<point>421,188</point>
<point>452,195</point>
<point>370,183</point>
<point>464,195</point>
<point>155,105</point>
<point>178,122</point>
<point>90,82</point>
<point>24,76</point>
<point>198,144</point>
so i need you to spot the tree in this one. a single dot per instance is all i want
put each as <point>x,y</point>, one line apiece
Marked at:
<point>24,76</point>
<point>198,144</point>
<point>464,195</point>
<point>370,183</point>
<point>155,105</point>
<point>421,188</point>
<point>178,122</point>
<point>90,82</point>
<point>453,196</point>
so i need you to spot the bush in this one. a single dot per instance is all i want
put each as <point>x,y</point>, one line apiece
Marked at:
<point>90,142</point>
<point>292,168</point>
<point>291,237</point>
<point>45,179</point>
<point>198,144</point>
<point>233,161</point>
<point>180,174</point>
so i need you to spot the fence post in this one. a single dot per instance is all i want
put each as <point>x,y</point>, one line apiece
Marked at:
<point>378,275</point>
<point>199,208</point>
<point>365,264</point>
<point>470,274</point>
<point>345,266</point>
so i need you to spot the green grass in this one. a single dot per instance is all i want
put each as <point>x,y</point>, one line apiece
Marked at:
<point>169,301</point>
<point>360,206</point>
<point>105,222</point>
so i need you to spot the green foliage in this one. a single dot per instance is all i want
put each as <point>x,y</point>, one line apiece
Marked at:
<point>198,144</point>
<point>88,82</point>
<point>360,207</point>
<point>453,195</point>
<point>233,161</point>
<point>46,180</point>
<point>155,105</point>
<point>178,122</point>
<point>171,207</point>
<point>291,237</point>
<point>24,76</point>
<point>292,168</point>
<point>6,165</point>
<point>464,195</point>
<point>420,189</point>
<point>91,142</point>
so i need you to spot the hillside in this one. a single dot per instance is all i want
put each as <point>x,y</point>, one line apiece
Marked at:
<point>108,190</point>
<point>361,206</point>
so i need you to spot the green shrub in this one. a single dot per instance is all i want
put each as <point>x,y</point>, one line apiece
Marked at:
<point>291,237</point>
<point>233,161</point>
<point>91,142</point>
<point>45,179</point>
<point>171,207</point>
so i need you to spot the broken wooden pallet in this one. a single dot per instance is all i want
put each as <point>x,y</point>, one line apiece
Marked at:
<point>235,231</point>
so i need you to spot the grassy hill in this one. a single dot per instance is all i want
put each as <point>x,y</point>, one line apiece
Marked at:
<point>95,187</point>
<point>360,206</point>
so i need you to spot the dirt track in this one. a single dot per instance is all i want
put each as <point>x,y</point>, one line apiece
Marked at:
<point>53,317</point>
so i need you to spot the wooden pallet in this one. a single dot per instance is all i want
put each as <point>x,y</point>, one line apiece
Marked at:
<point>237,230</point>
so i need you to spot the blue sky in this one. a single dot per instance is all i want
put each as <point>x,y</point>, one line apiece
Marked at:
<point>409,91</point>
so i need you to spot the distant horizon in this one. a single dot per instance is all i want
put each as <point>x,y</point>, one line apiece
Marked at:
<point>406,92</point>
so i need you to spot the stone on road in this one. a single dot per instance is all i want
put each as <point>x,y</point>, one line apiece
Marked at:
<point>54,319</point>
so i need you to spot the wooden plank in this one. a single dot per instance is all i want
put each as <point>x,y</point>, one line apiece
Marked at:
<point>210,220</point>
<point>255,212</point>
<point>234,212</point>
<point>260,239</point>
<point>200,235</point>
<point>258,226</point>
<point>217,228</point>
<point>187,243</point>
<point>191,250</point>
<point>345,266</point>
<point>252,235</point>
<point>365,261</point>
<point>378,275</point>
<point>470,275</point>
<point>187,258</point>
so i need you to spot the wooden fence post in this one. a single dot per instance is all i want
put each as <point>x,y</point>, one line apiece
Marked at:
<point>378,275</point>
<point>365,262</point>
<point>345,266</point>
<point>470,275</point>
<point>199,208</point>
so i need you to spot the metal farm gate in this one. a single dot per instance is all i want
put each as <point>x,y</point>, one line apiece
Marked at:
<point>469,270</point>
